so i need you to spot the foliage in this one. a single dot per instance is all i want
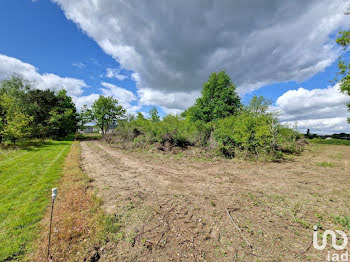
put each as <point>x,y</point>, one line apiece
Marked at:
<point>16,123</point>
<point>29,112</point>
<point>218,121</point>
<point>344,67</point>
<point>219,99</point>
<point>64,117</point>
<point>153,112</point>
<point>254,131</point>
<point>40,103</point>
<point>105,112</point>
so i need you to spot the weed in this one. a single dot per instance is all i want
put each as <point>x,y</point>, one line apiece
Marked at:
<point>342,220</point>
<point>325,164</point>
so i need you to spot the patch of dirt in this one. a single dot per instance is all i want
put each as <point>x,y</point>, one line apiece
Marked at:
<point>166,209</point>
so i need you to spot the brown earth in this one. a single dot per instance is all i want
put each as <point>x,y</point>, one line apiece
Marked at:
<point>171,208</point>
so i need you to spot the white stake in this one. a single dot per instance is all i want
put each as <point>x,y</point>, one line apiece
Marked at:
<point>54,195</point>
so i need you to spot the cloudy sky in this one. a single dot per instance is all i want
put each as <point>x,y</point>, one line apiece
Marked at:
<point>159,53</point>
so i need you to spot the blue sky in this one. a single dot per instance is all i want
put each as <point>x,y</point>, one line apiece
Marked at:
<point>162,63</point>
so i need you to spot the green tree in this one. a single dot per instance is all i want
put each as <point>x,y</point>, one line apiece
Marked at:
<point>219,99</point>
<point>15,88</point>
<point>63,117</point>
<point>16,123</point>
<point>139,116</point>
<point>105,112</point>
<point>153,112</point>
<point>40,104</point>
<point>344,67</point>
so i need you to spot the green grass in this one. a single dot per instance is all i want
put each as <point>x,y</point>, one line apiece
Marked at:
<point>343,221</point>
<point>331,141</point>
<point>27,175</point>
<point>325,164</point>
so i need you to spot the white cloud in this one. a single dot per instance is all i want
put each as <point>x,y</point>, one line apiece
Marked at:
<point>115,73</point>
<point>323,111</point>
<point>173,46</point>
<point>124,96</point>
<point>79,65</point>
<point>171,102</point>
<point>10,65</point>
<point>88,100</point>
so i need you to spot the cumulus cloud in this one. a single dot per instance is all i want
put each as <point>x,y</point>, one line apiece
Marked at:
<point>323,111</point>
<point>123,95</point>
<point>171,102</point>
<point>88,100</point>
<point>10,65</point>
<point>173,46</point>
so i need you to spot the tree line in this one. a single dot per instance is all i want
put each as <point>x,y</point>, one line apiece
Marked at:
<point>27,112</point>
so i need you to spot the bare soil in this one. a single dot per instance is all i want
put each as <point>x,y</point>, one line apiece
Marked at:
<point>171,208</point>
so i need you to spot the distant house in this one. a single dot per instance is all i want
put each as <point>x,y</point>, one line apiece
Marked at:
<point>88,129</point>
<point>328,138</point>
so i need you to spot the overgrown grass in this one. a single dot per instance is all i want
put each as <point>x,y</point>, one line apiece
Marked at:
<point>27,175</point>
<point>331,141</point>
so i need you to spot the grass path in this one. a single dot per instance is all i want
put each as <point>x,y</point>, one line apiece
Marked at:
<point>26,178</point>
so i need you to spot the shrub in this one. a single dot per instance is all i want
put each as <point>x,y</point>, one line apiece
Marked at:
<point>255,131</point>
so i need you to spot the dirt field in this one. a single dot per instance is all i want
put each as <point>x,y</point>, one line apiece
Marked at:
<point>175,209</point>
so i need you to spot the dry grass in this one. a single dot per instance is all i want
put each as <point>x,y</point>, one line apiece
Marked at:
<point>77,220</point>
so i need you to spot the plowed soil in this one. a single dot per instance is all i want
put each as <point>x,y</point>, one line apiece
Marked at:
<point>176,209</point>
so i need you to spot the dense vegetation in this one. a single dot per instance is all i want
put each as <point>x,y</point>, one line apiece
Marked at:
<point>27,112</point>
<point>217,121</point>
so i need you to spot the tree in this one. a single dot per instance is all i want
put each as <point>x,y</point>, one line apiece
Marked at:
<point>153,112</point>
<point>16,123</point>
<point>219,99</point>
<point>40,104</point>
<point>344,67</point>
<point>139,116</point>
<point>15,88</point>
<point>52,114</point>
<point>105,112</point>
<point>63,117</point>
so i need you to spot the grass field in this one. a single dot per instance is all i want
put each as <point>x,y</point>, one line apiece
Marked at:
<point>331,142</point>
<point>27,175</point>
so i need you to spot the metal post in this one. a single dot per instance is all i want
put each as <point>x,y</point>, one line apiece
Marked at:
<point>54,194</point>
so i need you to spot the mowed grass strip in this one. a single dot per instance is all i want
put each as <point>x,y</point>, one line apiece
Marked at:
<point>26,178</point>
<point>79,222</point>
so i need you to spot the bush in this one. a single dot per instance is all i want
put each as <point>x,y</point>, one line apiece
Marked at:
<point>256,132</point>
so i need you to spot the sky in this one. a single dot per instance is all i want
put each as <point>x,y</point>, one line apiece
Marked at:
<point>159,53</point>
